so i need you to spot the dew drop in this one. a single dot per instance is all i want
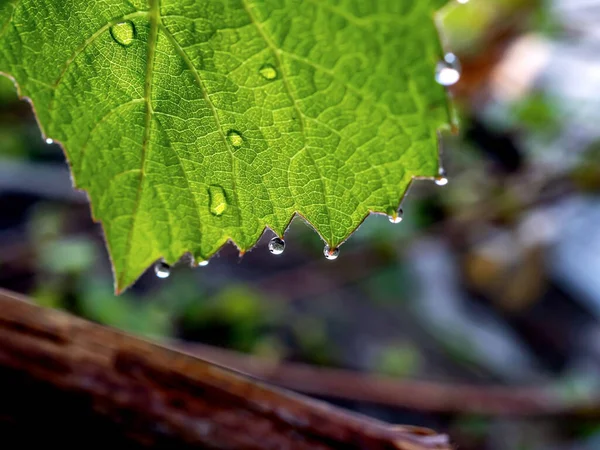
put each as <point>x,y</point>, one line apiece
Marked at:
<point>277,246</point>
<point>123,33</point>
<point>395,216</point>
<point>235,139</point>
<point>49,141</point>
<point>441,179</point>
<point>447,71</point>
<point>331,254</point>
<point>268,72</point>
<point>203,263</point>
<point>218,200</point>
<point>162,269</point>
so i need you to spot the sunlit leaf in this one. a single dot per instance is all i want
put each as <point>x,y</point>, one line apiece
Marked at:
<point>192,123</point>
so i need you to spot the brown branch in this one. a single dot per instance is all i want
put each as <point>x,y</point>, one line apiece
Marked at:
<point>410,394</point>
<point>86,379</point>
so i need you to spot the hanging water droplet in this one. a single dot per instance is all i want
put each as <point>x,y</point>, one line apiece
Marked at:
<point>268,72</point>
<point>330,253</point>
<point>218,200</point>
<point>203,263</point>
<point>162,269</point>
<point>49,141</point>
<point>395,216</point>
<point>441,179</point>
<point>447,71</point>
<point>277,246</point>
<point>123,33</point>
<point>235,139</point>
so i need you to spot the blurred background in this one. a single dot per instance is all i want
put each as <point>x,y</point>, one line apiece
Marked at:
<point>478,315</point>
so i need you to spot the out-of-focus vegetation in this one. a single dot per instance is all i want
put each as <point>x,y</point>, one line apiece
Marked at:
<point>492,279</point>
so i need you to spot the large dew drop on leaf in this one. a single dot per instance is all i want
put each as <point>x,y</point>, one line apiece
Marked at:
<point>192,123</point>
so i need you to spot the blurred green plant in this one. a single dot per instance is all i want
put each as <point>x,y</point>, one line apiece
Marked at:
<point>67,255</point>
<point>312,340</point>
<point>236,317</point>
<point>538,112</point>
<point>399,360</point>
<point>146,318</point>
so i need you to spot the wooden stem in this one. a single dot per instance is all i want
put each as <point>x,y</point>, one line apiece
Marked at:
<point>427,396</point>
<point>69,377</point>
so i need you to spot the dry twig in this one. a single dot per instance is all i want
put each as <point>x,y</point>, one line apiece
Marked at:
<point>92,381</point>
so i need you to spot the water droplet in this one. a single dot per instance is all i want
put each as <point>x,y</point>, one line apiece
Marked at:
<point>395,216</point>
<point>235,139</point>
<point>218,200</point>
<point>162,269</point>
<point>268,72</point>
<point>441,179</point>
<point>123,33</point>
<point>447,71</point>
<point>330,253</point>
<point>203,263</point>
<point>277,246</point>
<point>49,141</point>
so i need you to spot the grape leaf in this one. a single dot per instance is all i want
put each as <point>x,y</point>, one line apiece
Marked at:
<point>194,123</point>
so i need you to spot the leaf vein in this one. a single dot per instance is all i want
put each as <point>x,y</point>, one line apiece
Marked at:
<point>206,96</point>
<point>100,122</point>
<point>154,16</point>
<point>274,49</point>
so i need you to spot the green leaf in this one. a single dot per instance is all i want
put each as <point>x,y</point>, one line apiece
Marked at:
<point>193,123</point>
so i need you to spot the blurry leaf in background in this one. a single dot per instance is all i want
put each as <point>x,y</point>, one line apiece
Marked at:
<point>459,348</point>
<point>144,318</point>
<point>49,295</point>
<point>236,317</point>
<point>399,360</point>
<point>67,255</point>
<point>473,426</point>
<point>538,112</point>
<point>46,222</point>
<point>11,143</point>
<point>387,286</point>
<point>270,347</point>
<point>311,338</point>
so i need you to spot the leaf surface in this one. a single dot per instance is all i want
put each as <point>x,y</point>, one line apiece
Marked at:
<point>191,123</point>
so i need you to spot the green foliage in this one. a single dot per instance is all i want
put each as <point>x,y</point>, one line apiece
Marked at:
<point>401,360</point>
<point>312,340</point>
<point>237,317</point>
<point>67,255</point>
<point>191,124</point>
<point>472,426</point>
<point>538,112</point>
<point>146,319</point>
